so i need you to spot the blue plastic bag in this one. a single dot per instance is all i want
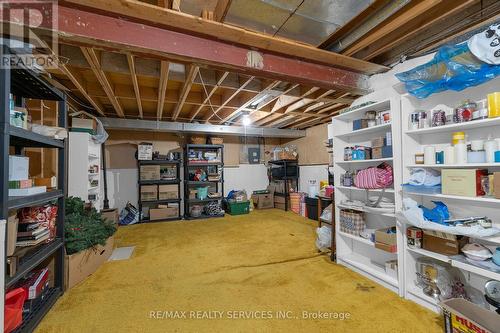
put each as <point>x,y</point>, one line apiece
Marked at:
<point>438,214</point>
<point>453,68</point>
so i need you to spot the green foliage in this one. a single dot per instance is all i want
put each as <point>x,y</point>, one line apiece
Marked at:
<point>84,228</point>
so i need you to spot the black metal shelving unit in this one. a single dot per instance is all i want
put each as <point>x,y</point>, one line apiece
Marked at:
<point>219,184</point>
<point>285,167</point>
<point>24,83</point>
<point>157,183</point>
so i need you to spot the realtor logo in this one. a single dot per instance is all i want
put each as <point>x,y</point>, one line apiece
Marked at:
<point>28,34</point>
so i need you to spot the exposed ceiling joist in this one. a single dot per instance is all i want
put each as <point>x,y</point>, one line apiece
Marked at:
<point>413,28</point>
<point>207,98</point>
<point>353,24</point>
<point>190,76</point>
<point>264,120</point>
<point>135,83</point>
<point>228,99</point>
<point>93,60</point>
<point>410,12</point>
<point>159,16</point>
<point>162,88</point>
<point>77,82</point>
<point>221,9</point>
<point>247,103</point>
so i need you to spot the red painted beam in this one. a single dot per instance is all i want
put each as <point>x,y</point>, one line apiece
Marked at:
<point>96,29</point>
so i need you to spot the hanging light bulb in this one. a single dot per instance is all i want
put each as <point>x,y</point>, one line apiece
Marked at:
<point>246,120</point>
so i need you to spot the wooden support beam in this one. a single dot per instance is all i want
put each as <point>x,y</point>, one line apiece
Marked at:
<point>444,31</point>
<point>412,11</point>
<point>207,99</point>
<point>135,83</point>
<point>264,120</point>
<point>162,88</point>
<point>109,32</point>
<point>77,81</point>
<point>412,27</point>
<point>140,11</point>
<point>91,57</point>
<point>193,71</point>
<point>233,95</point>
<point>354,23</point>
<point>221,10</point>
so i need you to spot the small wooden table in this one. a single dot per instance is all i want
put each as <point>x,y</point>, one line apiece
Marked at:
<point>331,223</point>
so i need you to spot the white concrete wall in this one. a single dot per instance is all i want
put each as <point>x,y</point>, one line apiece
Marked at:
<point>122,183</point>
<point>312,172</point>
<point>248,177</point>
<point>122,187</point>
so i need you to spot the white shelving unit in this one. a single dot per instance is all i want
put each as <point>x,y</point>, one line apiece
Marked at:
<point>84,153</point>
<point>414,142</point>
<point>355,252</point>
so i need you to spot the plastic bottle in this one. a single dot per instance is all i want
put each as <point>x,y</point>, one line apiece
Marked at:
<point>460,152</point>
<point>490,146</point>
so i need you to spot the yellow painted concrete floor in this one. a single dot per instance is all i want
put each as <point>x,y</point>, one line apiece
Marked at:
<point>243,272</point>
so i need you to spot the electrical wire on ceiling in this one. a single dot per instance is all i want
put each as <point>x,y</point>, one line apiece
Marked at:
<point>206,93</point>
<point>289,16</point>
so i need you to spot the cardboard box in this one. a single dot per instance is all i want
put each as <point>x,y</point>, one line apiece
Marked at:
<point>192,193</point>
<point>168,192</point>
<point>358,124</point>
<point>382,236</point>
<point>463,182</point>
<point>12,223</point>
<point>88,124</point>
<point>150,172</point>
<point>377,142</point>
<point>443,243</point>
<point>280,199</point>
<point>111,215</point>
<point>386,247</point>
<point>163,213</point>
<point>462,316</point>
<point>18,167</point>
<point>80,265</point>
<point>263,201</point>
<point>279,206</point>
<point>48,182</point>
<point>376,152</point>
<point>496,184</point>
<point>149,192</point>
<point>279,202</point>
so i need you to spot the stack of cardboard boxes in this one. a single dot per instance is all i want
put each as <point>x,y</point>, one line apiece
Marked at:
<point>158,192</point>
<point>382,146</point>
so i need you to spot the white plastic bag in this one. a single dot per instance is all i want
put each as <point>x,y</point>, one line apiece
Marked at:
<point>327,213</point>
<point>324,239</point>
<point>486,45</point>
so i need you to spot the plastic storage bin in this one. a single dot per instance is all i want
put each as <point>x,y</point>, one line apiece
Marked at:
<point>238,208</point>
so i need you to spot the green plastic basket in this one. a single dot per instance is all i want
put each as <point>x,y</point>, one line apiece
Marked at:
<point>239,208</point>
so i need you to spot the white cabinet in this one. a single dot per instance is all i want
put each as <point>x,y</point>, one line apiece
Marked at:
<point>414,141</point>
<point>358,253</point>
<point>84,169</point>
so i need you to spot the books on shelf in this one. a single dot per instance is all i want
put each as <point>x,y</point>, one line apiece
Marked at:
<point>17,184</point>
<point>33,242</point>
<point>33,232</point>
